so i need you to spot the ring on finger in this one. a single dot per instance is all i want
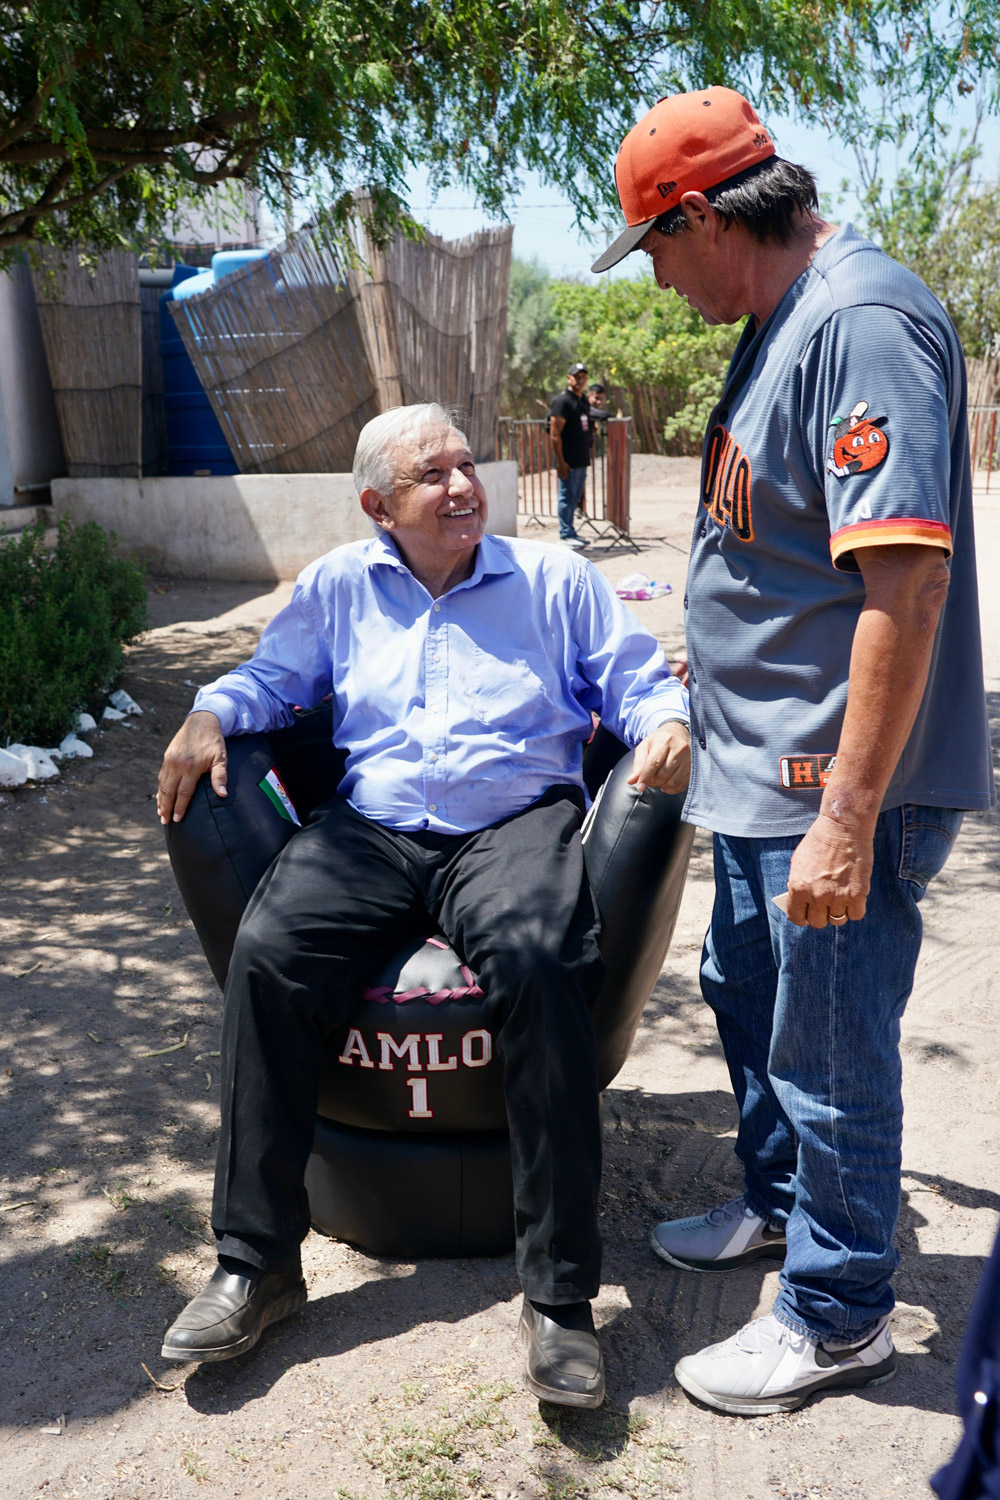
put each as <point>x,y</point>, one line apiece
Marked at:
<point>837,921</point>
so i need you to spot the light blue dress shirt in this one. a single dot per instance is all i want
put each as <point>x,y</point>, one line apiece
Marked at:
<point>462,710</point>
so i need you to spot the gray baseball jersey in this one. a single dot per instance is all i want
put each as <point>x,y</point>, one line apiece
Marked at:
<point>842,425</point>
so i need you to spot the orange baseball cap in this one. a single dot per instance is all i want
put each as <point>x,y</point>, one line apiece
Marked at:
<point>686,143</point>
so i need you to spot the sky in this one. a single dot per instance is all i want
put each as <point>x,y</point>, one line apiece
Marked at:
<point>544,225</point>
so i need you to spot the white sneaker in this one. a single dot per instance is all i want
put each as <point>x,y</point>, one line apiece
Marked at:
<point>766,1367</point>
<point>576,542</point>
<point>726,1237</point>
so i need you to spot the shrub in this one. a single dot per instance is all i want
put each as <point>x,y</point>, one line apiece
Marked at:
<point>664,366</point>
<point>541,345</point>
<point>661,363</point>
<point>65,617</point>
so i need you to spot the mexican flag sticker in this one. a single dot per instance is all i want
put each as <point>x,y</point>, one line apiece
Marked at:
<point>272,788</point>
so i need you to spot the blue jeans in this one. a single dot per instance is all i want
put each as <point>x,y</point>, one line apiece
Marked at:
<point>809,1022</point>
<point>569,495</point>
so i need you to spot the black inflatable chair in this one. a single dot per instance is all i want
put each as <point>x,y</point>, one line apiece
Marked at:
<point>411,1155</point>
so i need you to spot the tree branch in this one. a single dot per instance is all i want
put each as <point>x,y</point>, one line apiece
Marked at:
<point>47,204</point>
<point>51,193</point>
<point>28,117</point>
<point>113,145</point>
<point>19,227</point>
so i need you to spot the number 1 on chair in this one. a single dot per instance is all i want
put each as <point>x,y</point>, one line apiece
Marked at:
<point>418,1088</point>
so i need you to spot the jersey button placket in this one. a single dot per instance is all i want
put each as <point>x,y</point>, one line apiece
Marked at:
<point>435,707</point>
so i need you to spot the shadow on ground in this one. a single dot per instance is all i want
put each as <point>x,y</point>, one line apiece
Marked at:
<point>86,1309</point>
<point>108,1083</point>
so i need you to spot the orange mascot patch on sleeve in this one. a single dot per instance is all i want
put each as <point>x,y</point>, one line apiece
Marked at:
<point>859,443</point>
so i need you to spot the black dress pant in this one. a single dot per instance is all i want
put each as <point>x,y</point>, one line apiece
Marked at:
<point>514,901</point>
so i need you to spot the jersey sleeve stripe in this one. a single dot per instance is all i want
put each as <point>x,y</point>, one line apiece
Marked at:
<point>883,533</point>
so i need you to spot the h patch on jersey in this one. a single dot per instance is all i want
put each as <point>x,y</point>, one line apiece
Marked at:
<point>859,444</point>
<point>805,773</point>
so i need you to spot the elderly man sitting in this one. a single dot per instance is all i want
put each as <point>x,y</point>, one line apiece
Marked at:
<point>463,668</point>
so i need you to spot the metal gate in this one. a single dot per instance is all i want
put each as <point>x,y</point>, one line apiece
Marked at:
<point>606,499</point>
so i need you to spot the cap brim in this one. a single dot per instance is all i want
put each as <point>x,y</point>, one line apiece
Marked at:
<point>626,242</point>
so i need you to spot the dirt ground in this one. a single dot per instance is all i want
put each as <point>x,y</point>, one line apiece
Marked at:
<point>404,1379</point>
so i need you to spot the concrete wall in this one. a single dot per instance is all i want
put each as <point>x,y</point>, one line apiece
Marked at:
<point>31,450</point>
<point>248,528</point>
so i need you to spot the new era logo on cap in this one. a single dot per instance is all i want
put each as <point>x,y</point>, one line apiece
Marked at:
<point>686,143</point>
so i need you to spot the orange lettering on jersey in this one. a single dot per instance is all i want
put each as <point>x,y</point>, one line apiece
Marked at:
<point>726,492</point>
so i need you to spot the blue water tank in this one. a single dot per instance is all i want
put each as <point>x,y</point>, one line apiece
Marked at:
<point>196,443</point>
<point>225,262</point>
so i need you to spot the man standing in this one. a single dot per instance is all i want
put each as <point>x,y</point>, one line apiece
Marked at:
<point>569,433</point>
<point>838,718</point>
<point>464,669</point>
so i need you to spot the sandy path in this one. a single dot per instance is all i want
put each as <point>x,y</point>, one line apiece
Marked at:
<point>403,1379</point>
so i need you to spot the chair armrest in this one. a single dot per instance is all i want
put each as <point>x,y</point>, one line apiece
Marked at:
<point>636,850</point>
<point>222,846</point>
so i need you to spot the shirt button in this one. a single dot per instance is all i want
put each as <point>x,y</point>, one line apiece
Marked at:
<point>437,609</point>
<point>692,676</point>
<point>724,414</point>
<point>432,759</point>
<point>701,741</point>
<point>702,530</point>
<point>432,807</point>
<point>685,601</point>
<point>981,1398</point>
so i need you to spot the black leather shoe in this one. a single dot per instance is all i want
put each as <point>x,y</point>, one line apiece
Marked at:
<point>229,1315</point>
<point>564,1365</point>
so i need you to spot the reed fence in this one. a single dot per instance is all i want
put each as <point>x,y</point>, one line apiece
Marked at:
<point>299,350</point>
<point>91,321</point>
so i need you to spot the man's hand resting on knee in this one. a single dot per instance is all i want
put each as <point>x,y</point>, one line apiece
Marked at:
<point>663,759</point>
<point>197,747</point>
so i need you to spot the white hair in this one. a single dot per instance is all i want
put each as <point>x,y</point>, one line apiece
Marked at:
<point>374,457</point>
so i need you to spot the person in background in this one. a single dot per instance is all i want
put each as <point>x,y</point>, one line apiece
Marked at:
<point>569,434</point>
<point>597,396</point>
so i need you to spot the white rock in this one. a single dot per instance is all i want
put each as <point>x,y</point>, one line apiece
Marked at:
<point>122,701</point>
<point>40,765</point>
<point>85,723</point>
<point>13,771</point>
<point>73,749</point>
<point>111,716</point>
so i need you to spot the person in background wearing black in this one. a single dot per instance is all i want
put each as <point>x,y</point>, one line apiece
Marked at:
<point>596,396</point>
<point>569,433</point>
